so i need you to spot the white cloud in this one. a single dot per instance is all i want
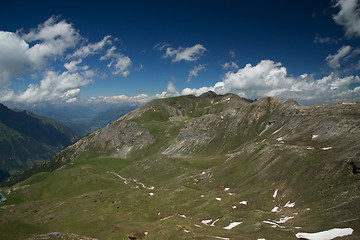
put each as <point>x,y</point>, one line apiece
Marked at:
<point>53,86</point>
<point>348,17</point>
<point>170,91</point>
<point>72,66</point>
<point>13,58</point>
<point>268,78</point>
<point>187,54</point>
<point>55,38</point>
<point>51,39</point>
<point>195,71</point>
<point>139,99</point>
<point>334,60</point>
<point>119,62</point>
<point>161,46</point>
<point>92,48</point>
<point>229,66</point>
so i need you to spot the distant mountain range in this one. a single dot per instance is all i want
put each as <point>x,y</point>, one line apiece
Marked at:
<point>82,118</point>
<point>27,139</point>
<point>207,167</point>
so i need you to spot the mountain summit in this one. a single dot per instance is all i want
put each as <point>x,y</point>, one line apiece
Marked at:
<point>208,167</point>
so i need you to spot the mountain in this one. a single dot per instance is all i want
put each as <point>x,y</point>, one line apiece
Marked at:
<point>82,118</point>
<point>208,167</point>
<point>101,119</point>
<point>27,139</point>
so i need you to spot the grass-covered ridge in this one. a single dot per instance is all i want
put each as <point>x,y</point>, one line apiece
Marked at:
<point>187,167</point>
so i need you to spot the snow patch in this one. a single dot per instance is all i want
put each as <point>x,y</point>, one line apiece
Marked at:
<point>326,235</point>
<point>219,199</point>
<point>206,222</point>
<point>310,148</point>
<point>243,202</point>
<point>151,194</point>
<point>232,225</point>
<point>274,225</point>
<point>290,205</point>
<point>275,209</point>
<point>275,193</point>
<point>222,238</point>
<point>284,219</point>
<point>227,189</point>
<point>233,207</point>
<point>231,194</point>
<point>213,224</point>
<point>314,136</point>
<point>326,148</point>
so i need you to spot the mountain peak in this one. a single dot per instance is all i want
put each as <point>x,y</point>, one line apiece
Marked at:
<point>209,94</point>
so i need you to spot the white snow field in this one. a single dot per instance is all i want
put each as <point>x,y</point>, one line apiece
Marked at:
<point>326,235</point>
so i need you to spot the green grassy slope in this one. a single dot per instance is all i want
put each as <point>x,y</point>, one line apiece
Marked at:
<point>215,158</point>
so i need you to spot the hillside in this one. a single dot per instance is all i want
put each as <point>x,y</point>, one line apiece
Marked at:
<point>27,139</point>
<point>208,167</point>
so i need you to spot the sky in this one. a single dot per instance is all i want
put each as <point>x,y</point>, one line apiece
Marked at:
<point>133,51</point>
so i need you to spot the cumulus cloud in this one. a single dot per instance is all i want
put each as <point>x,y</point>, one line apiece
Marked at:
<point>170,91</point>
<point>13,57</point>
<point>119,62</point>
<point>72,66</point>
<point>39,51</point>
<point>54,86</point>
<point>55,38</point>
<point>265,79</point>
<point>186,54</point>
<point>195,71</point>
<point>269,78</point>
<point>348,17</point>
<point>92,48</point>
<point>25,52</point>
<point>139,99</point>
<point>334,60</point>
<point>229,66</point>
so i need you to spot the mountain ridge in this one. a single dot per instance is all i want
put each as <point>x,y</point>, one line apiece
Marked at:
<point>188,167</point>
<point>28,138</point>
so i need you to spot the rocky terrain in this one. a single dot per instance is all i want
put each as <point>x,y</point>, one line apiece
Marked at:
<point>208,167</point>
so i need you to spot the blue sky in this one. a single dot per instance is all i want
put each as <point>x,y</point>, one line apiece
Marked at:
<point>135,51</point>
